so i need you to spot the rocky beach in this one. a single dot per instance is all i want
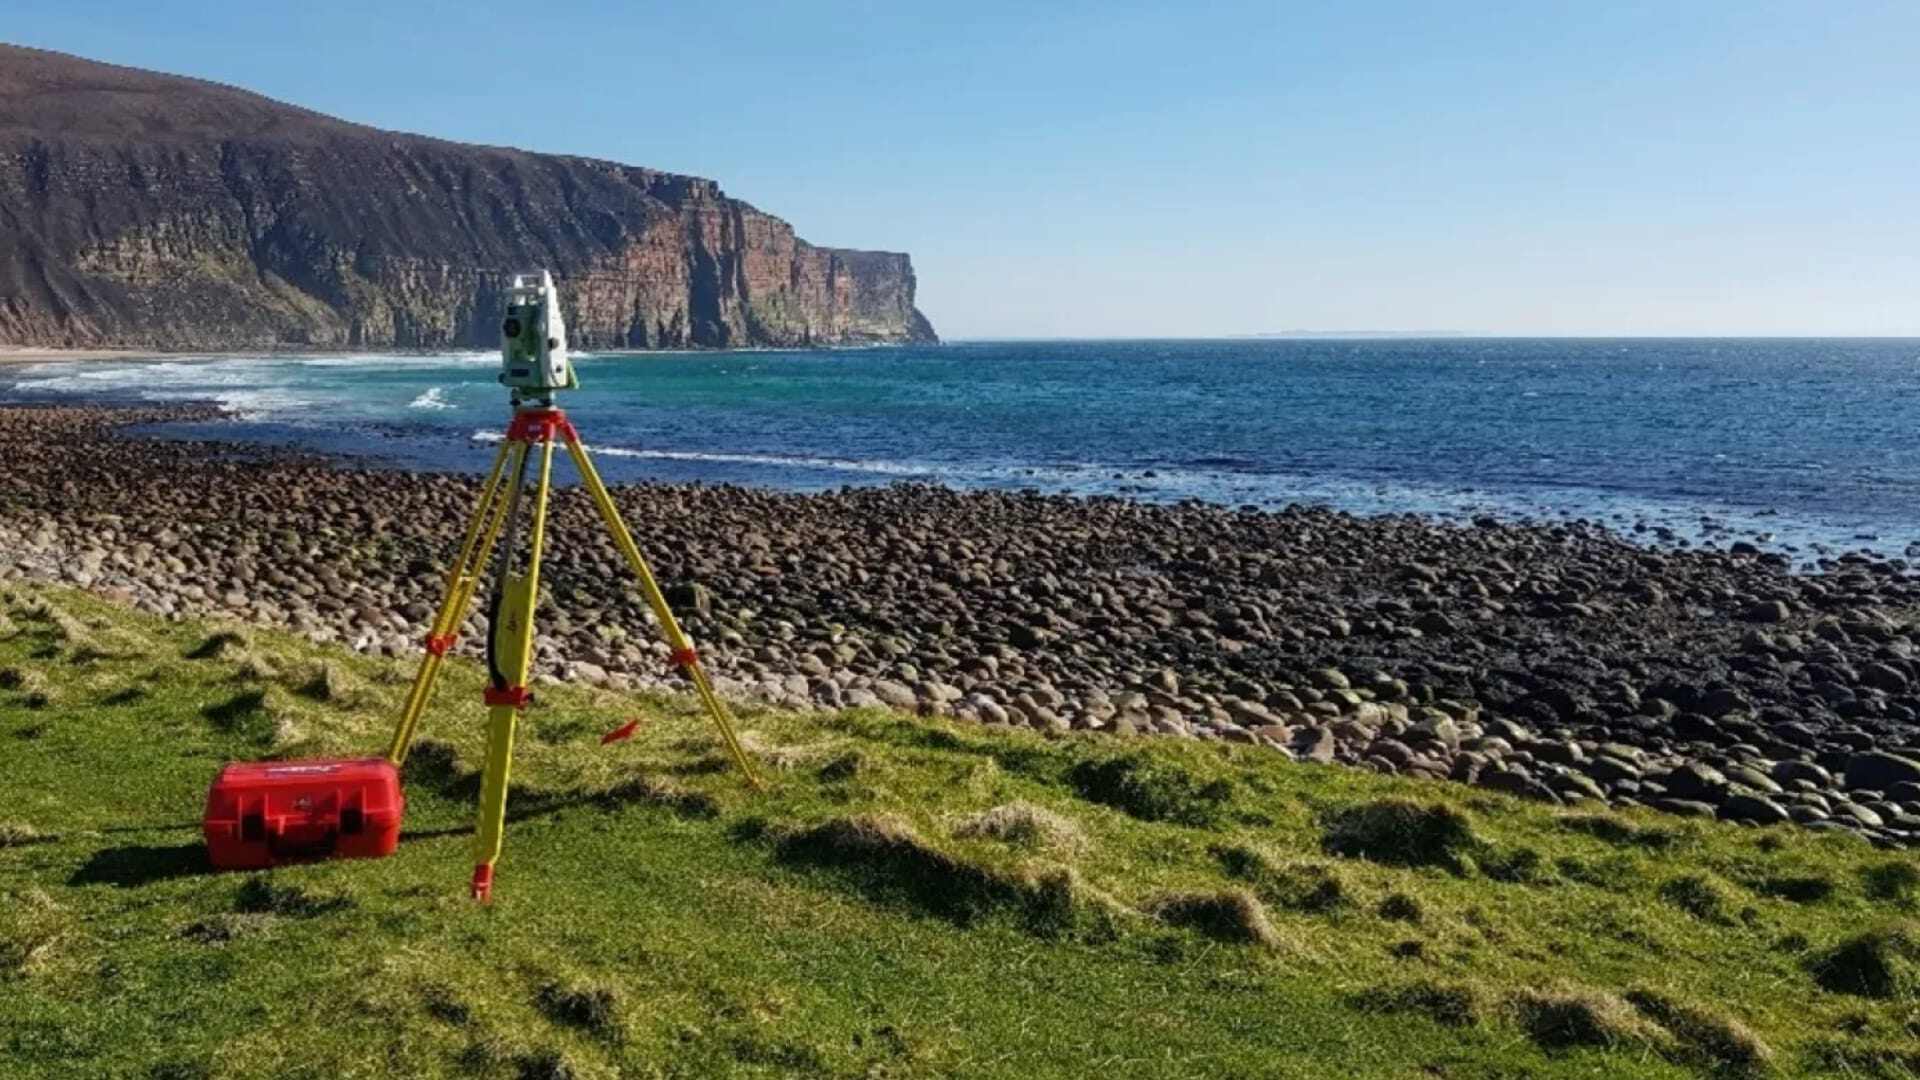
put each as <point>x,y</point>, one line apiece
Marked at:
<point>1559,662</point>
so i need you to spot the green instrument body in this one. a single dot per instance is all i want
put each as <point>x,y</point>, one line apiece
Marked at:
<point>533,339</point>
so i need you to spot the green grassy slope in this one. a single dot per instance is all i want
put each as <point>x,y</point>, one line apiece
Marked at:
<point>909,899</point>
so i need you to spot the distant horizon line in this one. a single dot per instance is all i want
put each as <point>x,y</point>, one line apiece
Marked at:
<point>1418,335</point>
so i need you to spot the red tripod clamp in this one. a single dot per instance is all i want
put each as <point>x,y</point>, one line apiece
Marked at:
<point>516,696</point>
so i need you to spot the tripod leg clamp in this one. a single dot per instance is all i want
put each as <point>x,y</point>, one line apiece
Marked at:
<point>684,658</point>
<point>516,696</point>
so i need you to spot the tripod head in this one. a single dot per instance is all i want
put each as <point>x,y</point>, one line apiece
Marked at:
<point>533,341</point>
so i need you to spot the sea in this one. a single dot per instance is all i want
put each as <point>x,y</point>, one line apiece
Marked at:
<point>1808,447</point>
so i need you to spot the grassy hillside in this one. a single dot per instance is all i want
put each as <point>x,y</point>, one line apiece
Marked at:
<point>909,899</point>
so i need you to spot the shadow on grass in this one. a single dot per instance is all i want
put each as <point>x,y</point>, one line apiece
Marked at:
<point>435,769</point>
<point>133,865</point>
<point>524,812</point>
<point>525,804</point>
<point>168,826</point>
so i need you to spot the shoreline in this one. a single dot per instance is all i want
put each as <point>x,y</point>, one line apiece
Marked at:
<point>22,354</point>
<point>1556,661</point>
<point>25,354</point>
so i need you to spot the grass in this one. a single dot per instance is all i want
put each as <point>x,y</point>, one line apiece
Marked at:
<point>910,898</point>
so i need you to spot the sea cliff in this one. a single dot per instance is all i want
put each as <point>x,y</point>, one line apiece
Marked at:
<point>143,210</point>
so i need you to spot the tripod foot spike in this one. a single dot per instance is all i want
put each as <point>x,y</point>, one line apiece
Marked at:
<point>483,883</point>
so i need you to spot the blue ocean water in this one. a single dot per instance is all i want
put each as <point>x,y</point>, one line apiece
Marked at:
<point>1808,445</point>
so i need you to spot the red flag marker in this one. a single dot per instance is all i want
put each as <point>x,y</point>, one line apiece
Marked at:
<point>624,731</point>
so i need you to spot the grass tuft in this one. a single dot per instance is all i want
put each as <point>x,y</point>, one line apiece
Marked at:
<point>884,857</point>
<point>260,714</point>
<point>224,642</point>
<point>1231,915</point>
<point>1615,830</point>
<point>126,695</point>
<point>846,766</point>
<point>1700,896</point>
<point>227,927</point>
<point>653,791</point>
<point>1055,902</point>
<point>1400,907</point>
<point>443,1003</point>
<point>1152,789</point>
<point>1400,832</point>
<point>486,1053</point>
<point>1297,884</point>
<point>1248,862</point>
<point>435,766</point>
<point>1447,1004</point>
<point>787,758</point>
<point>254,667</point>
<point>329,681</point>
<point>1883,962</point>
<point>545,1063</point>
<point>1517,866</point>
<point>592,1009</point>
<point>113,644</point>
<point>63,625</point>
<point>1568,1017</point>
<point>1706,1038</point>
<point>1852,1056</point>
<point>32,927</point>
<point>260,895</point>
<point>20,834</point>
<point>32,686</point>
<point>1025,825</point>
<point>1893,882</point>
<point>1797,888</point>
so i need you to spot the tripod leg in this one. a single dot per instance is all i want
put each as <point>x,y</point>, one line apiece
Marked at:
<point>481,532</point>
<point>683,652</point>
<point>512,653</point>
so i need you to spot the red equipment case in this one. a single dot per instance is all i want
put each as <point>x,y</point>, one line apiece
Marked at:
<point>264,813</point>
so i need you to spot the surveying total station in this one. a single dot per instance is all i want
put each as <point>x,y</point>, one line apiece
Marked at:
<point>265,813</point>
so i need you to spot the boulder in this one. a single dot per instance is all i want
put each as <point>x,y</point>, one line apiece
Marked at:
<point>1753,808</point>
<point>1695,780</point>
<point>1878,770</point>
<point>1785,771</point>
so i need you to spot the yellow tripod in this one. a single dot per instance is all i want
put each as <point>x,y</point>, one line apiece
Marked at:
<point>510,635</point>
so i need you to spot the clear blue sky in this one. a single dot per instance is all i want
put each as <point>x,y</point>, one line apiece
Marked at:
<point>1154,169</point>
